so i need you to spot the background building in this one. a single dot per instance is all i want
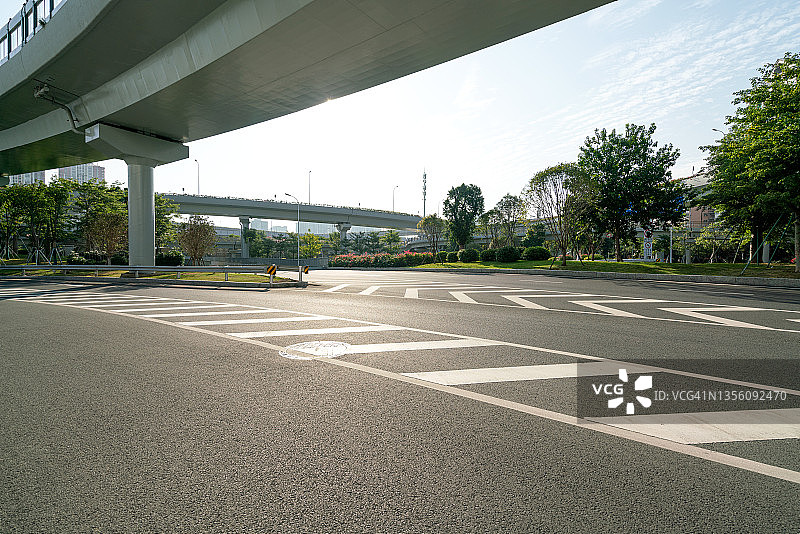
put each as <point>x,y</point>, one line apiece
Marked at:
<point>82,173</point>
<point>27,178</point>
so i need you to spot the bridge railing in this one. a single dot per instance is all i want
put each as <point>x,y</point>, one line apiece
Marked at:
<point>24,25</point>
<point>137,269</point>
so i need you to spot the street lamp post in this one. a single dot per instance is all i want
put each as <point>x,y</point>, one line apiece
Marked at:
<point>198,176</point>
<point>299,271</point>
<point>309,188</point>
<point>395,187</point>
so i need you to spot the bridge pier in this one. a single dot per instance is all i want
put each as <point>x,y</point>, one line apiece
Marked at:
<point>142,153</point>
<point>141,215</point>
<point>245,224</point>
<point>343,228</point>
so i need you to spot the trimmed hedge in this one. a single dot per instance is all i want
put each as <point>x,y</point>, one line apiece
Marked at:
<point>536,254</point>
<point>468,255</point>
<point>172,258</point>
<point>441,256</point>
<point>489,254</point>
<point>507,254</point>
<point>382,259</point>
<point>452,257</point>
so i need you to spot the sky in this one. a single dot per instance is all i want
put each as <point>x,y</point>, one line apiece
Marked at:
<point>496,117</point>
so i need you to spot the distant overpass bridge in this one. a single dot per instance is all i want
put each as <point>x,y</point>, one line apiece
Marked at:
<point>246,209</point>
<point>107,79</point>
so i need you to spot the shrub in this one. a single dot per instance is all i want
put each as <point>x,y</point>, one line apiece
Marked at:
<point>507,254</point>
<point>441,256</point>
<point>536,254</point>
<point>120,258</point>
<point>171,258</point>
<point>468,255</point>
<point>452,257</point>
<point>75,259</point>
<point>489,254</point>
<point>382,259</point>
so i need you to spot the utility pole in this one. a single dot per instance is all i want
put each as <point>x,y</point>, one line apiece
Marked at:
<point>424,190</point>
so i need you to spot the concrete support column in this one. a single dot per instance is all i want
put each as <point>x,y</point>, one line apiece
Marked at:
<point>142,153</point>
<point>244,222</point>
<point>343,228</point>
<point>141,215</point>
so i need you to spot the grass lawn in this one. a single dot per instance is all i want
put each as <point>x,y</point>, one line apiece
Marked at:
<point>211,277</point>
<point>717,269</point>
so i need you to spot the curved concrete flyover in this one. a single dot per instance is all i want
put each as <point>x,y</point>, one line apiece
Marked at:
<point>151,74</point>
<point>188,69</point>
<point>287,211</point>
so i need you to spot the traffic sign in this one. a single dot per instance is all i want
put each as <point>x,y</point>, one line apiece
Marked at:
<point>272,269</point>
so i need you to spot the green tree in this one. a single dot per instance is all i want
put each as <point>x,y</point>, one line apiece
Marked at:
<point>310,245</point>
<point>334,242</point>
<point>165,220</point>
<point>110,232</point>
<point>511,211</point>
<point>433,228</point>
<point>632,180</point>
<point>490,225</point>
<point>390,241</point>
<point>461,208</point>
<point>11,211</point>
<point>549,193</point>
<point>535,236</point>
<point>197,237</point>
<point>755,167</point>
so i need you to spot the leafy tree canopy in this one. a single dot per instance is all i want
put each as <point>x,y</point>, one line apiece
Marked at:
<point>462,207</point>
<point>632,180</point>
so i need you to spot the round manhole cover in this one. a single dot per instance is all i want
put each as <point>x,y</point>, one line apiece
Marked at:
<point>309,350</point>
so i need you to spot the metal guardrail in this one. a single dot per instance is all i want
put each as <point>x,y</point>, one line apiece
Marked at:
<point>136,269</point>
<point>25,23</point>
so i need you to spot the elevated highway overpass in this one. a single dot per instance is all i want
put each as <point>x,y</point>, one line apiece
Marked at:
<point>100,79</point>
<point>245,209</point>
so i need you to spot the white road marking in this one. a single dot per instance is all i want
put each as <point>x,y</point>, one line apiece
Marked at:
<point>171,308</point>
<point>696,313</point>
<point>713,427</point>
<point>461,296</point>
<point>197,314</point>
<point>260,320</point>
<point>316,331</point>
<point>599,306</point>
<point>141,302</point>
<point>688,450</point>
<point>421,345</point>
<point>526,372</point>
<point>524,303</point>
<point>335,288</point>
<point>370,290</point>
<point>413,292</point>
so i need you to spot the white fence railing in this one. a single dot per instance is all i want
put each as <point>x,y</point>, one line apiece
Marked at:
<point>136,269</point>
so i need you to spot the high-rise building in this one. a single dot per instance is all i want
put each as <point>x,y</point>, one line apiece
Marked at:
<point>82,173</point>
<point>27,178</point>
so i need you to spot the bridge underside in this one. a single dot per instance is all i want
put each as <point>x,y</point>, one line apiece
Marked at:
<point>244,62</point>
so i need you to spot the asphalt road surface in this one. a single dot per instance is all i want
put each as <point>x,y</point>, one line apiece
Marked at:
<point>400,401</point>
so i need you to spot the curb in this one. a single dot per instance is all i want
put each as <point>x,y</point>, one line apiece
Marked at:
<point>705,279</point>
<point>157,282</point>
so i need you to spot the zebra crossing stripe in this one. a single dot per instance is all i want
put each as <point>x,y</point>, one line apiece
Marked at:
<point>526,372</point>
<point>200,314</point>
<point>142,303</point>
<point>422,345</point>
<point>334,289</point>
<point>713,427</point>
<point>316,331</point>
<point>259,320</point>
<point>175,308</point>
